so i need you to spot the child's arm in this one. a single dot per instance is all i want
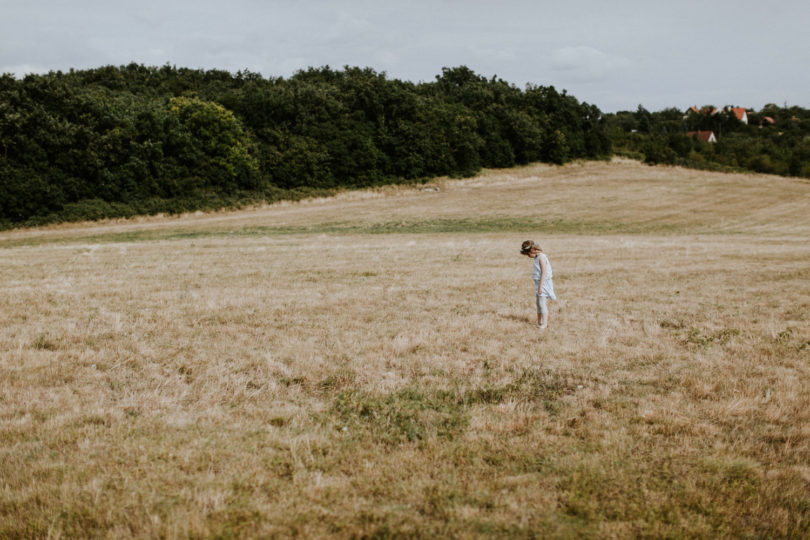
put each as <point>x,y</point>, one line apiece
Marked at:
<point>543,273</point>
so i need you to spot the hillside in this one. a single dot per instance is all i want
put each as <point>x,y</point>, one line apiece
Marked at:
<point>621,196</point>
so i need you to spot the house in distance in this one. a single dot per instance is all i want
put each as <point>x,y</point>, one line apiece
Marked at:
<point>740,113</point>
<point>705,136</point>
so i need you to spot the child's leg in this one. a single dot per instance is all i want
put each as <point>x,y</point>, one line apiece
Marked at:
<point>542,311</point>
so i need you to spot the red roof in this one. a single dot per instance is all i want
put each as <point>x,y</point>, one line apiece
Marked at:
<point>739,112</point>
<point>706,110</point>
<point>702,135</point>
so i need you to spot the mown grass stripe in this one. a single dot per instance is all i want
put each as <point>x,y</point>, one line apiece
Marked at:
<point>433,226</point>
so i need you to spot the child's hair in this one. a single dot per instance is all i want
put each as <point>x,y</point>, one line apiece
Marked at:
<point>529,245</point>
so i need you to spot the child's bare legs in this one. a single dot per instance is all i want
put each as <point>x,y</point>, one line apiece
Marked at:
<point>542,312</point>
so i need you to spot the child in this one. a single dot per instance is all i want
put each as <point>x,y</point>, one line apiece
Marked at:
<point>541,273</point>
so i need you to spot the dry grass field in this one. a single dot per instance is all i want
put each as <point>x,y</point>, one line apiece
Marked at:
<point>367,365</point>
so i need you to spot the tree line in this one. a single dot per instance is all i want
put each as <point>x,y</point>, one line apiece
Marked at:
<point>128,140</point>
<point>121,141</point>
<point>775,140</point>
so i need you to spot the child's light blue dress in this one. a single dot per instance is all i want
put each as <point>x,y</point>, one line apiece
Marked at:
<point>547,289</point>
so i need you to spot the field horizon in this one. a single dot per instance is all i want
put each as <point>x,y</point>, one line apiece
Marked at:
<point>366,365</point>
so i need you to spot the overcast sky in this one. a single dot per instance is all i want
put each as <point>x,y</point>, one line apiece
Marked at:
<point>615,54</point>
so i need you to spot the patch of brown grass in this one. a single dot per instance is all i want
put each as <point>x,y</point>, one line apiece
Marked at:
<point>347,384</point>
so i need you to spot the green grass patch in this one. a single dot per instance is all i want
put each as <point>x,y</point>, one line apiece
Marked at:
<point>416,414</point>
<point>429,226</point>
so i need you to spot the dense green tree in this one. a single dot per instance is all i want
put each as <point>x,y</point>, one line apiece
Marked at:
<point>213,142</point>
<point>644,120</point>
